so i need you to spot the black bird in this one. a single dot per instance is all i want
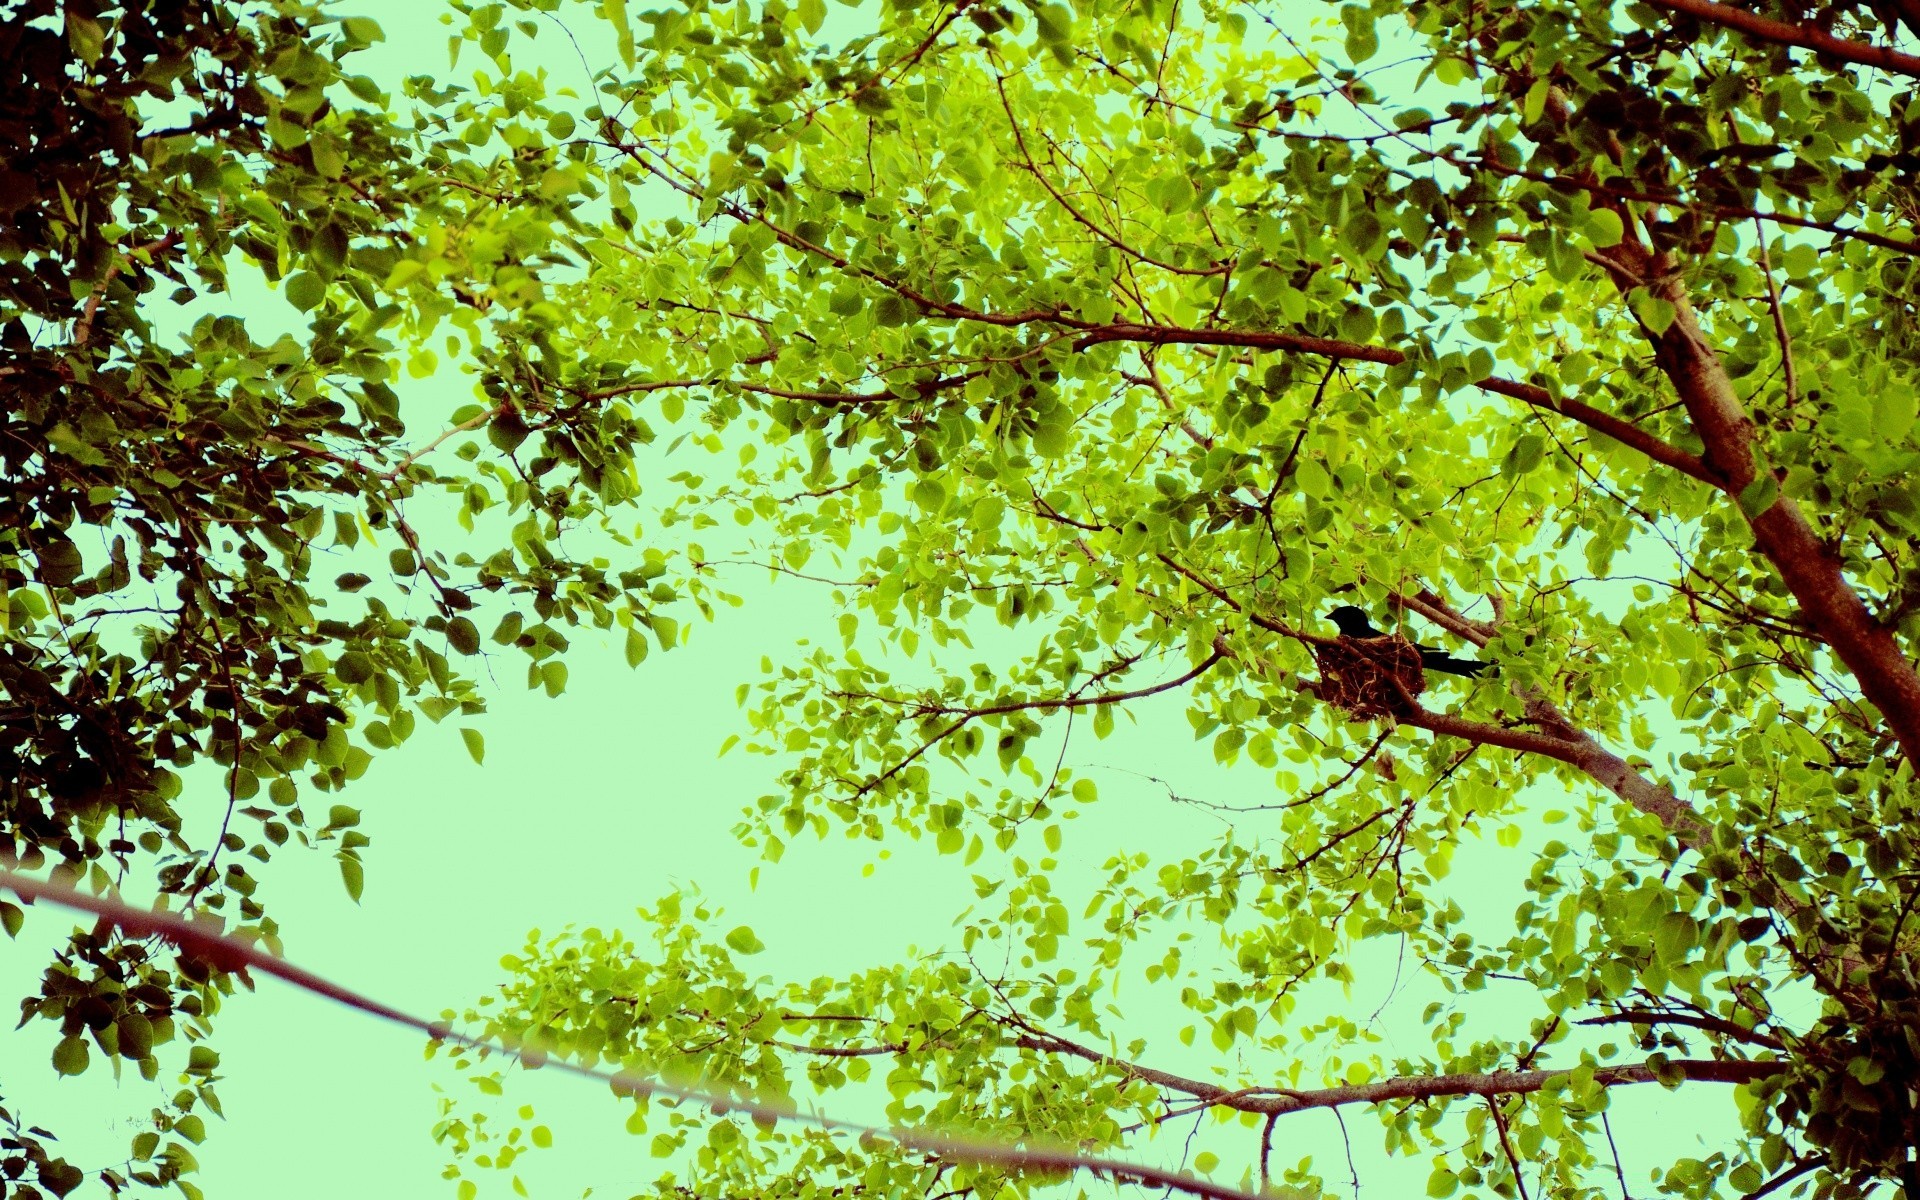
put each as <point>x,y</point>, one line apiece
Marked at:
<point>1353,623</point>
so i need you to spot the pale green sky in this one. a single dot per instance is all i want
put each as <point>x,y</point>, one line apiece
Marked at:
<point>608,797</point>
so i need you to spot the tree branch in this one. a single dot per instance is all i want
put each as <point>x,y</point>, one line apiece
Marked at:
<point>1282,1101</point>
<point>200,940</point>
<point>1766,29</point>
<point>1593,418</point>
<point>1808,566</point>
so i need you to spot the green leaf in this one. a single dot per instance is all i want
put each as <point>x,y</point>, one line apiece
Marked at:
<point>136,1035</point>
<point>1760,495</point>
<point>330,250</point>
<point>1362,41</point>
<point>85,35</point>
<point>1656,314</point>
<point>1052,435</point>
<point>60,1177</point>
<point>463,636</point>
<point>70,1055</point>
<point>1604,227</point>
<point>1893,412</point>
<point>742,941</point>
<point>353,874</point>
<point>12,916</point>
<point>306,290</point>
<point>1529,451</point>
<point>60,563</point>
<point>509,628</point>
<point>1536,104</point>
<point>1053,23</point>
<point>615,12</point>
<point>476,744</point>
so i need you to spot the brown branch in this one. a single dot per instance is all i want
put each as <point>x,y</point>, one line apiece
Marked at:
<point>201,940</point>
<point>1805,562</point>
<point>1282,1101</point>
<point>1506,1146</point>
<point>471,423</point>
<point>1033,168</point>
<point>1766,29</point>
<point>1583,753</point>
<point>1593,418</point>
<point>922,388</point>
<point>1050,704</point>
<point>1779,320</point>
<point>83,328</point>
<point>1621,192</point>
<point>1708,1023</point>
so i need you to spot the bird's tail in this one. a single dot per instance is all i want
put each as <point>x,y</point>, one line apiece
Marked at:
<point>1448,665</point>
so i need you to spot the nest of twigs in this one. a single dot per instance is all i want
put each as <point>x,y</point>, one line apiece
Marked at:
<point>1370,678</point>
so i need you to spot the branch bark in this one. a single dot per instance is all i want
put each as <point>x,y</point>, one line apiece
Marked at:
<point>1781,532</point>
<point>1766,29</point>
<point>1282,1101</point>
<point>1593,418</point>
<point>198,939</point>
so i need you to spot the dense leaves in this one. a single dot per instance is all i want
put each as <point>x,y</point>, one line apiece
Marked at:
<point>220,247</point>
<point>1123,341</point>
<point>1090,354</point>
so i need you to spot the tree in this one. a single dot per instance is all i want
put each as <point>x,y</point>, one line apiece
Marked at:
<point>1128,340</point>
<point>217,604</point>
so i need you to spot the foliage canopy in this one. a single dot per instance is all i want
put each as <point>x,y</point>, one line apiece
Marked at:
<point>1124,340</point>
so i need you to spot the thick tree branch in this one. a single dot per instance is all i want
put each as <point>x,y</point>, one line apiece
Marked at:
<point>1598,420</point>
<point>1766,29</point>
<point>1566,741</point>
<point>199,940</point>
<point>1282,1101</point>
<point>1806,564</point>
<point>1580,751</point>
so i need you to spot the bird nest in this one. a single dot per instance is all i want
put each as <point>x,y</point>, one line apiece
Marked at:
<point>1371,678</point>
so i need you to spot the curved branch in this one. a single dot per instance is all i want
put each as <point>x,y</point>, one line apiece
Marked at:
<point>1598,420</point>
<point>1766,29</point>
<point>1708,1023</point>
<point>1053,703</point>
<point>200,940</point>
<point>1282,1101</point>
<point>1582,752</point>
<point>1804,560</point>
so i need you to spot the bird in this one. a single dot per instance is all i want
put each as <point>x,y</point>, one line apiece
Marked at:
<point>1354,624</point>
